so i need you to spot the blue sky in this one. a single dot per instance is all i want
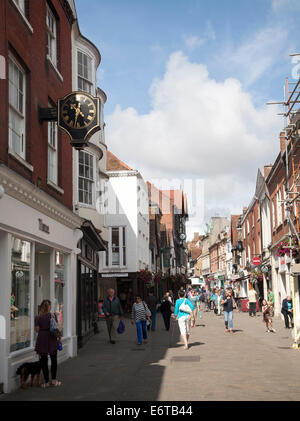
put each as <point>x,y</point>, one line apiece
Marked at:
<point>135,38</point>
<point>187,82</point>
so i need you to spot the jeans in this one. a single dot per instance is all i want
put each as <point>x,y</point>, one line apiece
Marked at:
<point>153,319</point>
<point>228,317</point>
<point>141,330</point>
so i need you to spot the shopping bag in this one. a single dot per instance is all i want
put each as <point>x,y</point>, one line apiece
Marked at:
<point>121,327</point>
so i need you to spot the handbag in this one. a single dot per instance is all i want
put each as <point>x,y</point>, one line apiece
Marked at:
<point>185,308</point>
<point>148,313</point>
<point>54,327</point>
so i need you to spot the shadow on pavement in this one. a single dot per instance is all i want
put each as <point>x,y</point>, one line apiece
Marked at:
<point>106,372</point>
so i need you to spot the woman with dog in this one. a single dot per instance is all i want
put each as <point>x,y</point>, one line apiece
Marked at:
<point>47,343</point>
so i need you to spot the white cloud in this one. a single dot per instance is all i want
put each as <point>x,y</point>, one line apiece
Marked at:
<point>198,128</point>
<point>192,42</point>
<point>278,5</point>
<point>254,57</point>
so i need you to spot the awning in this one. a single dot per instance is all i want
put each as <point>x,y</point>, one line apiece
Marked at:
<point>99,244</point>
<point>243,278</point>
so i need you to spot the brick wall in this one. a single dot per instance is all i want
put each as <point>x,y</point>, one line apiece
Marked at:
<point>42,84</point>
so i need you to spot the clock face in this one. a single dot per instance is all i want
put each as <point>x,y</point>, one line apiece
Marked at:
<point>78,111</point>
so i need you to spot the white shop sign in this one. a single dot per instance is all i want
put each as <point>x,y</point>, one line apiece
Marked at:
<point>114,275</point>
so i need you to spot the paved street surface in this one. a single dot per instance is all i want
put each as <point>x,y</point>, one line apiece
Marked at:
<point>247,365</point>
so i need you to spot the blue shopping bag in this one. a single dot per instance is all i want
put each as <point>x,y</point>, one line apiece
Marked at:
<point>121,327</point>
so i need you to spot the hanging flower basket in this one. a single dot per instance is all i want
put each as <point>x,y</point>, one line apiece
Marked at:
<point>145,276</point>
<point>157,278</point>
<point>257,276</point>
<point>287,246</point>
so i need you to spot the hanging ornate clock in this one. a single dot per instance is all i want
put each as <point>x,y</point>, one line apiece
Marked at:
<point>79,116</point>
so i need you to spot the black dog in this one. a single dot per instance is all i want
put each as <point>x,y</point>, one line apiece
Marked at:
<point>33,369</point>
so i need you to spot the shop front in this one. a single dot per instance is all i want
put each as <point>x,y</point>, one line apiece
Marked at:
<point>37,262</point>
<point>87,282</point>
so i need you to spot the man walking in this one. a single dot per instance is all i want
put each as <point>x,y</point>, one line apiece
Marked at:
<point>252,295</point>
<point>112,309</point>
<point>152,302</point>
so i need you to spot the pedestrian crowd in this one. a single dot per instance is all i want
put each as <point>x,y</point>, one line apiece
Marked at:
<point>186,307</point>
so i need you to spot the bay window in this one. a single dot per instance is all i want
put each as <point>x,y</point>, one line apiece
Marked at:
<point>52,151</point>
<point>86,179</point>
<point>17,83</point>
<point>116,254</point>
<point>85,78</point>
<point>115,246</point>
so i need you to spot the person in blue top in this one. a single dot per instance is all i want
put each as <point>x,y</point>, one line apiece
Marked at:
<point>183,317</point>
<point>287,311</point>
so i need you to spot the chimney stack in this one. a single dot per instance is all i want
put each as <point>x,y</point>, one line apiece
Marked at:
<point>282,142</point>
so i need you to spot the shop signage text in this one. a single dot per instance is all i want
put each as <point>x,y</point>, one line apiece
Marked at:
<point>43,227</point>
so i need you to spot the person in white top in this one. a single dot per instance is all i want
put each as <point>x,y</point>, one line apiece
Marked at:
<point>252,295</point>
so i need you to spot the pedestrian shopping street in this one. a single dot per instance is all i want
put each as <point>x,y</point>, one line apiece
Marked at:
<point>247,365</point>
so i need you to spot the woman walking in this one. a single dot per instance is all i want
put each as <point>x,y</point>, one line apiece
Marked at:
<point>194,299</point>
<point>166,311</point>
<point>228,304</point>
<point>184,317</point>
<point>139,315</point>
<point>47,343</point>
<point>267,310</point>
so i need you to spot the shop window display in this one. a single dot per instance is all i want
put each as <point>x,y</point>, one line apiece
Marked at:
<point>60,289</point>
<point>20,332</point>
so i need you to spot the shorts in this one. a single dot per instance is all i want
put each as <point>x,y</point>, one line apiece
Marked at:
<point>184,325</point>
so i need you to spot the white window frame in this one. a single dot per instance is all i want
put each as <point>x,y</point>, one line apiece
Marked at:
<point>273,214</point>
<point>248,226</point>
<point>52,36</point>
<point>284,203</point>
<point>279,208</point>
<point>121,248</point>
<point>86,80</point>
<point>53,150</point>
<point>16,112</point>
<point>92,181</point>
<point>249,253</point>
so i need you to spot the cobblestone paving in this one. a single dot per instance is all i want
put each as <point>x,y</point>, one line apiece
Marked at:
<point>247,365</point>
